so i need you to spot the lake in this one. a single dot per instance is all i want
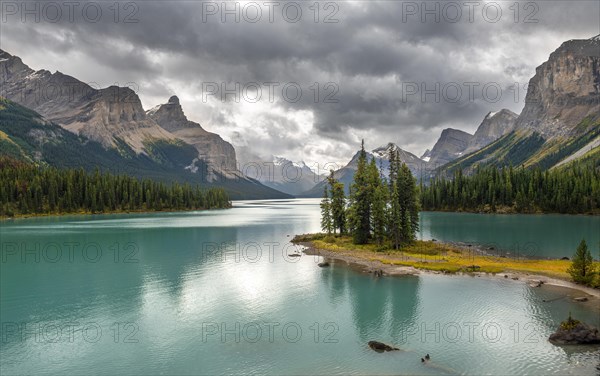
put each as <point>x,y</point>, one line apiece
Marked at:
<point>216,292</point>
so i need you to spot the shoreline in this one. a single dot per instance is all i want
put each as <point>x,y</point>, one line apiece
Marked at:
<point>459,211</point>
<point>59,215</point>
<point>353,260</point>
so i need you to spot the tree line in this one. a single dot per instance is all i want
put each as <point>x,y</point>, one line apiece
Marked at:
<point>28,189</point>
<point>378,208</point>
<point>572,189</point>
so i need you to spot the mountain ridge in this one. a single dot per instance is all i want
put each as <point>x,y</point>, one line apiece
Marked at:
<point>114,118</point>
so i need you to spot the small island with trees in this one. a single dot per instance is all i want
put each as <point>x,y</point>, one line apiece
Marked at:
<point>376,226</point>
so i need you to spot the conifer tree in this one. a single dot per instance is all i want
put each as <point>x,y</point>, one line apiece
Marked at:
<point>326,220</point>
<point>360,200</point>
<point>582,267</point>
<point>338,205</point>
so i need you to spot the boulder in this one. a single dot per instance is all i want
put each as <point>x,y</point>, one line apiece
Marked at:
<point>381,347</point>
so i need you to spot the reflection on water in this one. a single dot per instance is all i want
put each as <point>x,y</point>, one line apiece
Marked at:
<point>215,292</point>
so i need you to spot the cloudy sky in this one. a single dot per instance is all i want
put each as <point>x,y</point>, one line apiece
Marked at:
<point>311,78</point>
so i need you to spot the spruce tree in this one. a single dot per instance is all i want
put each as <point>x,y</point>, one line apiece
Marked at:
<point>394,216</point>
<point>360,200</point>
<point>326,220</point>
<point>378,211</point>
<point>337,204</point>
<point>582,267</point>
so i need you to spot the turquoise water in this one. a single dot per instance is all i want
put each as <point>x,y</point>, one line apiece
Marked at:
<point>216,293</point>
<point>539,236</point>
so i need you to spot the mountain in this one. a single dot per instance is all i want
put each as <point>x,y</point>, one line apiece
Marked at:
<point>345,175</point>
<point>108,116</point>
<point>493,126</point>
<point>211,148</point>
<point>561,116</point>
<point>451,145</point>
<point>25,135</point>
<point>284,175</point>
<point>454,143</point>
<point>114,118</point>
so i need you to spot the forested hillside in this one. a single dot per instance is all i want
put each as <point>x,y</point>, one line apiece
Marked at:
<point>26,190</point>
<point>574,188</point>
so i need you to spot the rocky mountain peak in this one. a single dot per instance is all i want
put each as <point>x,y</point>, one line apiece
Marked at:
<point>451,144</point>
<point>426,155</point>
<point>493,126</point>
<point>170,116</point>
<point>173,100</point>
<point>219,154</point>
<point>108,115</point>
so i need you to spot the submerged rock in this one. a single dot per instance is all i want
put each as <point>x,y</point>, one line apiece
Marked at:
<point>381,347</point>
<point>575,332</point>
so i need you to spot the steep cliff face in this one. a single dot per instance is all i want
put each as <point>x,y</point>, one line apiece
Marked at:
<point>561,117</point>
<point>218,153</point>
<point>108,115</point>
<point>451,145</point>
<point>564,91</point>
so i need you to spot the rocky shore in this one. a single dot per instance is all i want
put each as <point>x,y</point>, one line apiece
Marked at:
<point>378,269</point>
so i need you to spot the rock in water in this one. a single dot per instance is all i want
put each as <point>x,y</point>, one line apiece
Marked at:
<point>574,332</point>
<point>323,264</point>
<point>381,347</point>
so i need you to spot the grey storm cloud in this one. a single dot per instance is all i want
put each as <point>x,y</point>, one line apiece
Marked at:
<point>362,64</point>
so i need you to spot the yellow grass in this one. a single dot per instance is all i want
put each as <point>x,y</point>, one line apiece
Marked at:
<point>435,256</point>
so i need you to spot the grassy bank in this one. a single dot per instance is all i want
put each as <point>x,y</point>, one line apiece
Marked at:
<point>436,256</point>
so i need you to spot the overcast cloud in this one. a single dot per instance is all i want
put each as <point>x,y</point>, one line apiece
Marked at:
<point>370,66</point>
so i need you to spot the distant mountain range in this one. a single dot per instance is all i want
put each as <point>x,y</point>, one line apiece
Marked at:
<point>559,124</point>
<point>161,141</point>
<point>286,176</point>
<point>55,119</point>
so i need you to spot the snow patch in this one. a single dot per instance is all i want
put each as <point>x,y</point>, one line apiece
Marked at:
<point>426,159</point>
